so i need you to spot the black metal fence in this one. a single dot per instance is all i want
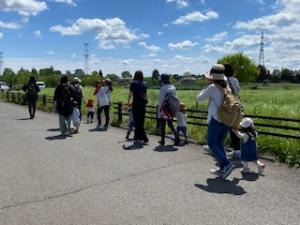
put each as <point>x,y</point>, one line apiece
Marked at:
<point>266,125</point>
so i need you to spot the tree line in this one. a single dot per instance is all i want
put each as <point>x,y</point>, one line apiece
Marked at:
<point>245,70</point>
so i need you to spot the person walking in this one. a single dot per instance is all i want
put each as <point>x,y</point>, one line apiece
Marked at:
<point>166,89</point>
<point>31,89</point>
<point>248,134</point>
<point>77,92</point>
<point>235,90</point>
<point>138,94</point>
<point>217,130</point>
<point>63,103</point>
<point>182,124</point>
<point>90,110</point>
<point>103,97</point>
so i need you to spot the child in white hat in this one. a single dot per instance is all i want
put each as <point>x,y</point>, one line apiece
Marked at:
<point>249,147</point>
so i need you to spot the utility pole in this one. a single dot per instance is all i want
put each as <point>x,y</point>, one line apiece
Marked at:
<point>86,58</point>
<point>261,52</point>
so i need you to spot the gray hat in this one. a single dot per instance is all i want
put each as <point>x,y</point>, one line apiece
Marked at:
<point>216,72</point>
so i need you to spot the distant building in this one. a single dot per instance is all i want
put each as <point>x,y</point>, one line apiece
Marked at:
<point>188,80</point>
<point>124,81</point>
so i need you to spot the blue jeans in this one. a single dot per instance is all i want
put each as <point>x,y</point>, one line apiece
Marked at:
<point>217,133</point>
<point>184,131</point>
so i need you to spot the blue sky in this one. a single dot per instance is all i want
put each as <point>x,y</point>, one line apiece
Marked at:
<point>173,36</point>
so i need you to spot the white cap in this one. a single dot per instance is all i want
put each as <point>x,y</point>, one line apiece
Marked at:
<point>247,122</point>
<point>77,79</point>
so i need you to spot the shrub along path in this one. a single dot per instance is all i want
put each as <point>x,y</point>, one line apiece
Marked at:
<point>90,179</point>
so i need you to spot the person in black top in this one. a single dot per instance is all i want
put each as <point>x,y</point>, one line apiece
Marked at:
<point>31,89</point>
<point>63,102</point>
<point>138,91</point>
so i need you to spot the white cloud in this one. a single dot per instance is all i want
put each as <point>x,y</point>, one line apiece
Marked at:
<point>182,45</point>
<point>217,37</point>
<point>37,34</point>
<point>157,61</point>
<point>1,35</point>
<point>159,33</point>
<point>165,25</point>
<point>23,7</point>
<point>182,58</point>
<point>73,55</point>
<point>127,61</point>
<point>151,48</point>
<point>50,52</point>
<point>110,32</point>
<point>179,3</point>
<point>196,17</point>
<point>9,25</point>
<point>69,2</point>
<point>261,2</point>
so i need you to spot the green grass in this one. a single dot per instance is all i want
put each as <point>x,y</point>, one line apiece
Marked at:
<point>278,100</point>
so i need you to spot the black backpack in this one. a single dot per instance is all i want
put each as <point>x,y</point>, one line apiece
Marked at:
<point>65,103</point>
<point>77,93</point>
<point>31,90</point>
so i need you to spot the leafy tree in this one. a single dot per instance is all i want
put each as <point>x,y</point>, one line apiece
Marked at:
<point>287,75</point>
<point>68,73</point>
<point>112,76</point>
<point>245,68</point>
<point>94,73</point>
<point>34,72</point>
<point>79,72</point>
<point>9,76</point>
<point>155,75</point>
<point>126,74</point>
<point>22,76</point>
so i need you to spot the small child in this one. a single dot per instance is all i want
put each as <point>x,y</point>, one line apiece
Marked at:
<point>131,124</point>
<point>76,117</point>
<point>249,146</point>
<point>90,110</point>
<point>181,123</point>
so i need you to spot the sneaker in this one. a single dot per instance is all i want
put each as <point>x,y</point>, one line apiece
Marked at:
<point>261,169</point>
<point>186,142</point>
<point>236,154</point>
<point>207,149</point>
<point>225,172</point>
<point>245,170</point>
<point>215,171</point>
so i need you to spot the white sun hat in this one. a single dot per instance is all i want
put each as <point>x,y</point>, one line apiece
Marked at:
<point>77,79</point>
<point>216,72</point>
<point>247,122</point>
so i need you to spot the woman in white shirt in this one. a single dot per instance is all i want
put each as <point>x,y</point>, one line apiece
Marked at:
<point>235,89</point>
<point>217,131</point>
<point>103,97</point>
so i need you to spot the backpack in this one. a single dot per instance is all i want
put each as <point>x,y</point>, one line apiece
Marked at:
<point>77,93</point>
<point>172,103</point>
<point>31,90</point>
<point>230,111</point>
<point>65,103</point>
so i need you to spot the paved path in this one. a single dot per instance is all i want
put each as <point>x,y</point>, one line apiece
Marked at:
<point>89,179</point>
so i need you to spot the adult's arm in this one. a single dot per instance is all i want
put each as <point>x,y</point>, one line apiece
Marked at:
<point>204,94</point>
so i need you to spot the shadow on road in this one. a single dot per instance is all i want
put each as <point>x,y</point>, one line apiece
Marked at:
<point>134,146</point>
<point>166,148</point>
<point>24,119</point>
<point>97,129</point>
<point>222,186</point>
<point>56,137</point>
<point>53,129</point>
<point>250,176</point>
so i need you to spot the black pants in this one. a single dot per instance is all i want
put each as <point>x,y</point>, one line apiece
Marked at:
<point>31,107</point>
<point>235,141</point>
<point>106,112</point>
<point>139,120</point>
<point>163,123</point>
<point>90,116</point>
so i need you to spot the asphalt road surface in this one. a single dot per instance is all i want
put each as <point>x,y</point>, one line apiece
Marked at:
<point>90,179</point>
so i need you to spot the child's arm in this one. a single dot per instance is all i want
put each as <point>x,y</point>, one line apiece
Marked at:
<point>241,135</point>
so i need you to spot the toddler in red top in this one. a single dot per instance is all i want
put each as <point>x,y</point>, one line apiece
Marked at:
<point>90,110</point>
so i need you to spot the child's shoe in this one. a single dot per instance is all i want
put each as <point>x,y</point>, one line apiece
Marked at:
<point>215,171</point>
<point>261,169</point>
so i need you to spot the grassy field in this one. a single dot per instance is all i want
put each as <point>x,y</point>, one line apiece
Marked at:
<point>278,100</point>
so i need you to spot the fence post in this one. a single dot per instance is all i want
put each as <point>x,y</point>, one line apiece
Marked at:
<point>44,98</point>
<point>19,98</point>
<point>7,95</point>
<point>157,121</point>
<point>120,116</point>
<point>13,97</point>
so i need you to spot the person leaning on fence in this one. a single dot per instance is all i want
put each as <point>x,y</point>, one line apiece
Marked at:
<point>217,130</point>
<point>249,147</point>
<point>165,118</point>
<point>31,89</point>
<point>63,103</point>
<point>235,90</point>
<point>138,94</point>
<point>104,97</point>
<point>181,123</point>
